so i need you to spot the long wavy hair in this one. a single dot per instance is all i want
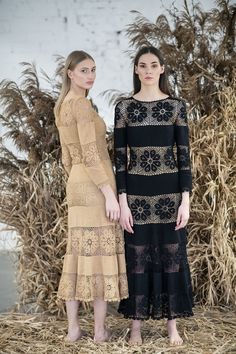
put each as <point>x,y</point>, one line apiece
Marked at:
<point>163,81</point>
<point>72,60</point>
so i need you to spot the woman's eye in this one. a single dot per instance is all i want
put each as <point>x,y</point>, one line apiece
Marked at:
<point>84,70</point>
<point>93,70</point>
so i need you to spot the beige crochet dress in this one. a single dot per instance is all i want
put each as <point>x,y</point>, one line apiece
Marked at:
<point>94,263</point>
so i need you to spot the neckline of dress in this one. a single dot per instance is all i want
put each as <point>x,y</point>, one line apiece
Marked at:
<point>161,99</point>
<point>74,98</point>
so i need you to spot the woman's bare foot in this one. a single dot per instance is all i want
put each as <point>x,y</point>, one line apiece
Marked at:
<point>135,335</point>
<point>102,336</point>
<point>174,336</point>
<point>74,334</point>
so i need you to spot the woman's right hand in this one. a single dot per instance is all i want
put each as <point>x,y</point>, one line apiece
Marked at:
<point>111,204</point>
<point>126,218</point>
<point>112,208</point>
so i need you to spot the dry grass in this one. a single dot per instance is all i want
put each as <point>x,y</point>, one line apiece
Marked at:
<point>210,331</point>
<point>212,228</point>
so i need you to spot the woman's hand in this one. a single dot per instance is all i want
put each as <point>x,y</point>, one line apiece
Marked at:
<point>112,208</point>
<point>111,204</point>
<point>183,212</point>
<point>126,218</point>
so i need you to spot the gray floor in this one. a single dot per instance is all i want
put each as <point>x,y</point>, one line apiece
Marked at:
<point>8,293</point>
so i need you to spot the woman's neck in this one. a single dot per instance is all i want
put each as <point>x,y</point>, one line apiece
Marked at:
<point>77,91</point>
<point>150,93</point>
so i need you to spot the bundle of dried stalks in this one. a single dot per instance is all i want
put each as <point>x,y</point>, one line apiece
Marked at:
<point>212,228</point>
<point>32,184</point>
<point>211,331</point>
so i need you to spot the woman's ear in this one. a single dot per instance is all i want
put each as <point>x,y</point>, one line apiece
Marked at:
<point>69,73</point>
<point>136,69</point>
<point>162,69</point>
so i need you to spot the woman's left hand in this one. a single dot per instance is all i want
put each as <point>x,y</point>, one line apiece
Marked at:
<point>183,215</point>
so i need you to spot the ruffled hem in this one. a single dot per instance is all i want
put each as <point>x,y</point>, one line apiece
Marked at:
<point>97,286</point>
<point>157,307</point>
<point>153,317</point>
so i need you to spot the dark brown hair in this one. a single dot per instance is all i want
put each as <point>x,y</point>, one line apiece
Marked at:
<point>163,82</point>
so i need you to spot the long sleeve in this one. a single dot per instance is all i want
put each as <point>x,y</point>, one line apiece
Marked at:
<point>84,114</point>
<point>183,149</point>
<point>120,146</point>
<point>66,158</point>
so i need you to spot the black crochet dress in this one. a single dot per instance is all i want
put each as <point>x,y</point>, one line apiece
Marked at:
<point>153,168</point>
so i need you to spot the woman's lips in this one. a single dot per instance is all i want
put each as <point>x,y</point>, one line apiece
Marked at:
<point>148,78</point>
<point>89,82</point>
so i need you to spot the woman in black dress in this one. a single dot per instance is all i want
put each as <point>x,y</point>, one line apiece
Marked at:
<point>154,181</point>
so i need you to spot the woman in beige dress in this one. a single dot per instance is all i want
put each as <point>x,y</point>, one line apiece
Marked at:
<point>94,263</point>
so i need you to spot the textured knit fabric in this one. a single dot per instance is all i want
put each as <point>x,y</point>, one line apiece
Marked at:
<point>153,168</point>
<point>94,263</point>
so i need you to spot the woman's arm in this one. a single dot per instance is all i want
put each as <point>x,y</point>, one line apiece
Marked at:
<point>183,150</point>
<point>184,164</point>
<point>83,113</point>
<point>120,146</point>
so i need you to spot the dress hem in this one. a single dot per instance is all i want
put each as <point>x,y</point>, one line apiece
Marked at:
<point>183,315</point>
<point>92,299</point>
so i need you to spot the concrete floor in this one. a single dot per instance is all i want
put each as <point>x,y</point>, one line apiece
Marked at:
<point>8,292</point>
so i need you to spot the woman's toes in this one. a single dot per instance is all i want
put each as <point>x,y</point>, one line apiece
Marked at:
<point>176,341</point>
<point>135,338</point>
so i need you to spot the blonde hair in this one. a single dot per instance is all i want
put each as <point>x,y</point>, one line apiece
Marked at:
<point>72,60</point>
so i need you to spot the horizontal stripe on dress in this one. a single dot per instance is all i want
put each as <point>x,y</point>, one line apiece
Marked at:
<point>155,234</point>
<point>152,185</point>
<point>154,209</point>
<point>162,135</point>
<point>171,283</point>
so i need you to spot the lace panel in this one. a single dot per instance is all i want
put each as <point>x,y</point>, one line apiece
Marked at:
<point>120,115</point>
<point>151,160</point>
<point>88,288</point>
<point>120,159</point>
<point>95,241</point>
<point>167,258</point>
<point>166,291</point>
<point>157,209</point>
<point>142,307</point>
<point>183,157</point>
<point>147,113</point>
<point>163,112</point>
<point>181,116</point>
<point>90,154</point>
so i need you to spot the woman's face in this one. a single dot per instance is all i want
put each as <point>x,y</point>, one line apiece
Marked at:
<point>84,74</point>
<point>149,69</point>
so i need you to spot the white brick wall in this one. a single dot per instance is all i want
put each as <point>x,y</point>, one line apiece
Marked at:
<point>8,239</point>
<point>33,30</point>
